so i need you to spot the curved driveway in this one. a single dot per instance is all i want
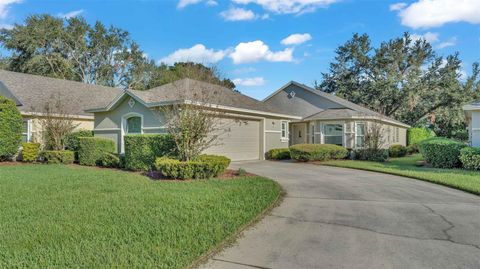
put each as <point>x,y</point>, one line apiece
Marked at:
<point>342,218</point>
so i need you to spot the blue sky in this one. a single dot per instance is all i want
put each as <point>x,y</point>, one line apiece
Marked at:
<point>244,37</point>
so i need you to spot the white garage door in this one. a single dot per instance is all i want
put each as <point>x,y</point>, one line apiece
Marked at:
<point>241,143</point>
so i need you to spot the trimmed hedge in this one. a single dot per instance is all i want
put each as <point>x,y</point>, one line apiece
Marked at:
<point>317,152</point>
<point>396,151</point>
<point>441,152</point>
<point>30,152</point>
<point>373,155</point>
<point>91,149</point>
<point>109,160</point>
<point>11,125</point>
<point>412,149</point>
<point>419,134</point>
<point>141,151</point>
<point>204,167</point>
<point>72,140</point>
<point>470,158</point>
<point>278,154</point>
<point>57,156</point>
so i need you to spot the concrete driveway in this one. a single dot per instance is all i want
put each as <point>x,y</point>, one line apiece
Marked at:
<point>342,218</point>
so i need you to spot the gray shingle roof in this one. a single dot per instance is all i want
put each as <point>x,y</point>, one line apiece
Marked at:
<point>340,113</point>
<point>32,92</point>
<point>193,90</point>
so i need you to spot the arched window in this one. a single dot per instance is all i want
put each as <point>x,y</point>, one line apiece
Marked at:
<point>133,125</point>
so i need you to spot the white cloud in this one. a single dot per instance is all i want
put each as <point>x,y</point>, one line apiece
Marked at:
<point>198,53</point>
<point>448,43</point>
<point>428,36</point>
<point>238,14</point>
<point>184,3</point>
<point>288,6</point>
<point>397,6</point>
<point>255,51</point>
<point>434,13</point>
<point>5,5</point>
<point>70,14</point>
<point>296,39</point>
<point>249,82</point>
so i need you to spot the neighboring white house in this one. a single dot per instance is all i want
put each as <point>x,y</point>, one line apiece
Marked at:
<point>472,112</point>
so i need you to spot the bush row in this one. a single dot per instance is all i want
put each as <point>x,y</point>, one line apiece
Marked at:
<point>441,152</point>
<point>141,151</point>
<point>204,167</point>
<point>91,150</point>
<point>278,154</point>
<point>57,156</point>
<point>317,152</point>
<point>470,158</point>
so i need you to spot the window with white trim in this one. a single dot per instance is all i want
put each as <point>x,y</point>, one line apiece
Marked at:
<point>397,134</point>
<point>284,130</point>
<point>333,134</point>
<point>26,131</point>
<point>134,125</point>
<point>359,134</point>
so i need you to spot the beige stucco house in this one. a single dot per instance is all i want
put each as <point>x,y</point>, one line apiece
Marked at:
<point>32,93</point>
<point>472,113</point>
<point>291,115</point>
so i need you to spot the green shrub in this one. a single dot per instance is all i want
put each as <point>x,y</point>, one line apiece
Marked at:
<point>373,155</point>
<point>470,158</point>
<point>418,134</point>
<point>396,151</point>
<point>141,151</point>
<point>317,152</point>
<point>241,172</point>
<point>278,154</point>
<point>57,156</point>
<point>30,152</point>
<point>11,125</point>
<point>441,152</point>
<point>72,140</point>
<point>205,166</point>
<point>91,149</point>
<point>109,160</point>
<point>412,149</point>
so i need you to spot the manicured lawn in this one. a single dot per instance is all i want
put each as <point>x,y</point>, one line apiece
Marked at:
<point>55,216</point>
<point>461,179</point>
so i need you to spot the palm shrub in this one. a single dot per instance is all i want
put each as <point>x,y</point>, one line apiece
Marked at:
<point>278,154</point>
<point>11,124</point>
<point>91,149</point>
<point>418,134</point>
<point>396,151</point>
<point>441,152</point>
<point>317,152</point>
<point>470,158</point>
<point>30,152</point>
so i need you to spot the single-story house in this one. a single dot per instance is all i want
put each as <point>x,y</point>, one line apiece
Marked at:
<point>32,93</point>
<point>291,115</point>
<point>472,113</point>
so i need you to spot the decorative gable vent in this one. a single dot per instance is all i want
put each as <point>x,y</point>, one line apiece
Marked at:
<point>291,94</point>
<point>131,103</point>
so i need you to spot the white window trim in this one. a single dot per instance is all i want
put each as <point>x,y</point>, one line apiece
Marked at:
<point>284,138</point>
<point>123,126</point>
<point>29,130</point>
<point>336,123</point>
<point>356,135</point>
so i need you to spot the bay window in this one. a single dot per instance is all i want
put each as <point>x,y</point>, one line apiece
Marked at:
<point>359,135</point>
<point>333,134</point>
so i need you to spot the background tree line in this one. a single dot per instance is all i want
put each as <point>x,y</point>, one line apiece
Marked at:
<point>96,54</point>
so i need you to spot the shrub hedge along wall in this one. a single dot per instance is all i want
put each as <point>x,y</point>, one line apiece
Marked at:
<point>30,152</point>
<point>396,151</point>
<point>441,152</point>
<point>92,149</point>
<point>204,167</point>
<point>373,155</point>
<point>278,154</point>
<point>417,135</point>
<point>470,158</point>
<point>11,124</point>
<point>57,156</point>
<point>142,150</point>
<point>72,140</point>
<point>317,152</point>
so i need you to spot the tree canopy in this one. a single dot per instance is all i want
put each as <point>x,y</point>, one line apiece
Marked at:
<point>405,79</point>
<point>96,54</point>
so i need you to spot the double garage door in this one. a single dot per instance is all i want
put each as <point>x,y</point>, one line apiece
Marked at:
<point>241,142</point>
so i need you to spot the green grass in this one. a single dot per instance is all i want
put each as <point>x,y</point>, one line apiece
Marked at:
<point>55,216</point>
<point>457,178</point>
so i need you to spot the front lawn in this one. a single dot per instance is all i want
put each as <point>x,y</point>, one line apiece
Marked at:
<point>457,178</point>
<point>55,216</point>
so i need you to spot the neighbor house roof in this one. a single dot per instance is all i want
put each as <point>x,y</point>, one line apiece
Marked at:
<point>32,92</point>
<point>472,106</point>
<point>189,90</point>
<point>351,110</point>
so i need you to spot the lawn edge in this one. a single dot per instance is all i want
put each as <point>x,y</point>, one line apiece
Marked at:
<point>235,236</point>
<point>402,175</point>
